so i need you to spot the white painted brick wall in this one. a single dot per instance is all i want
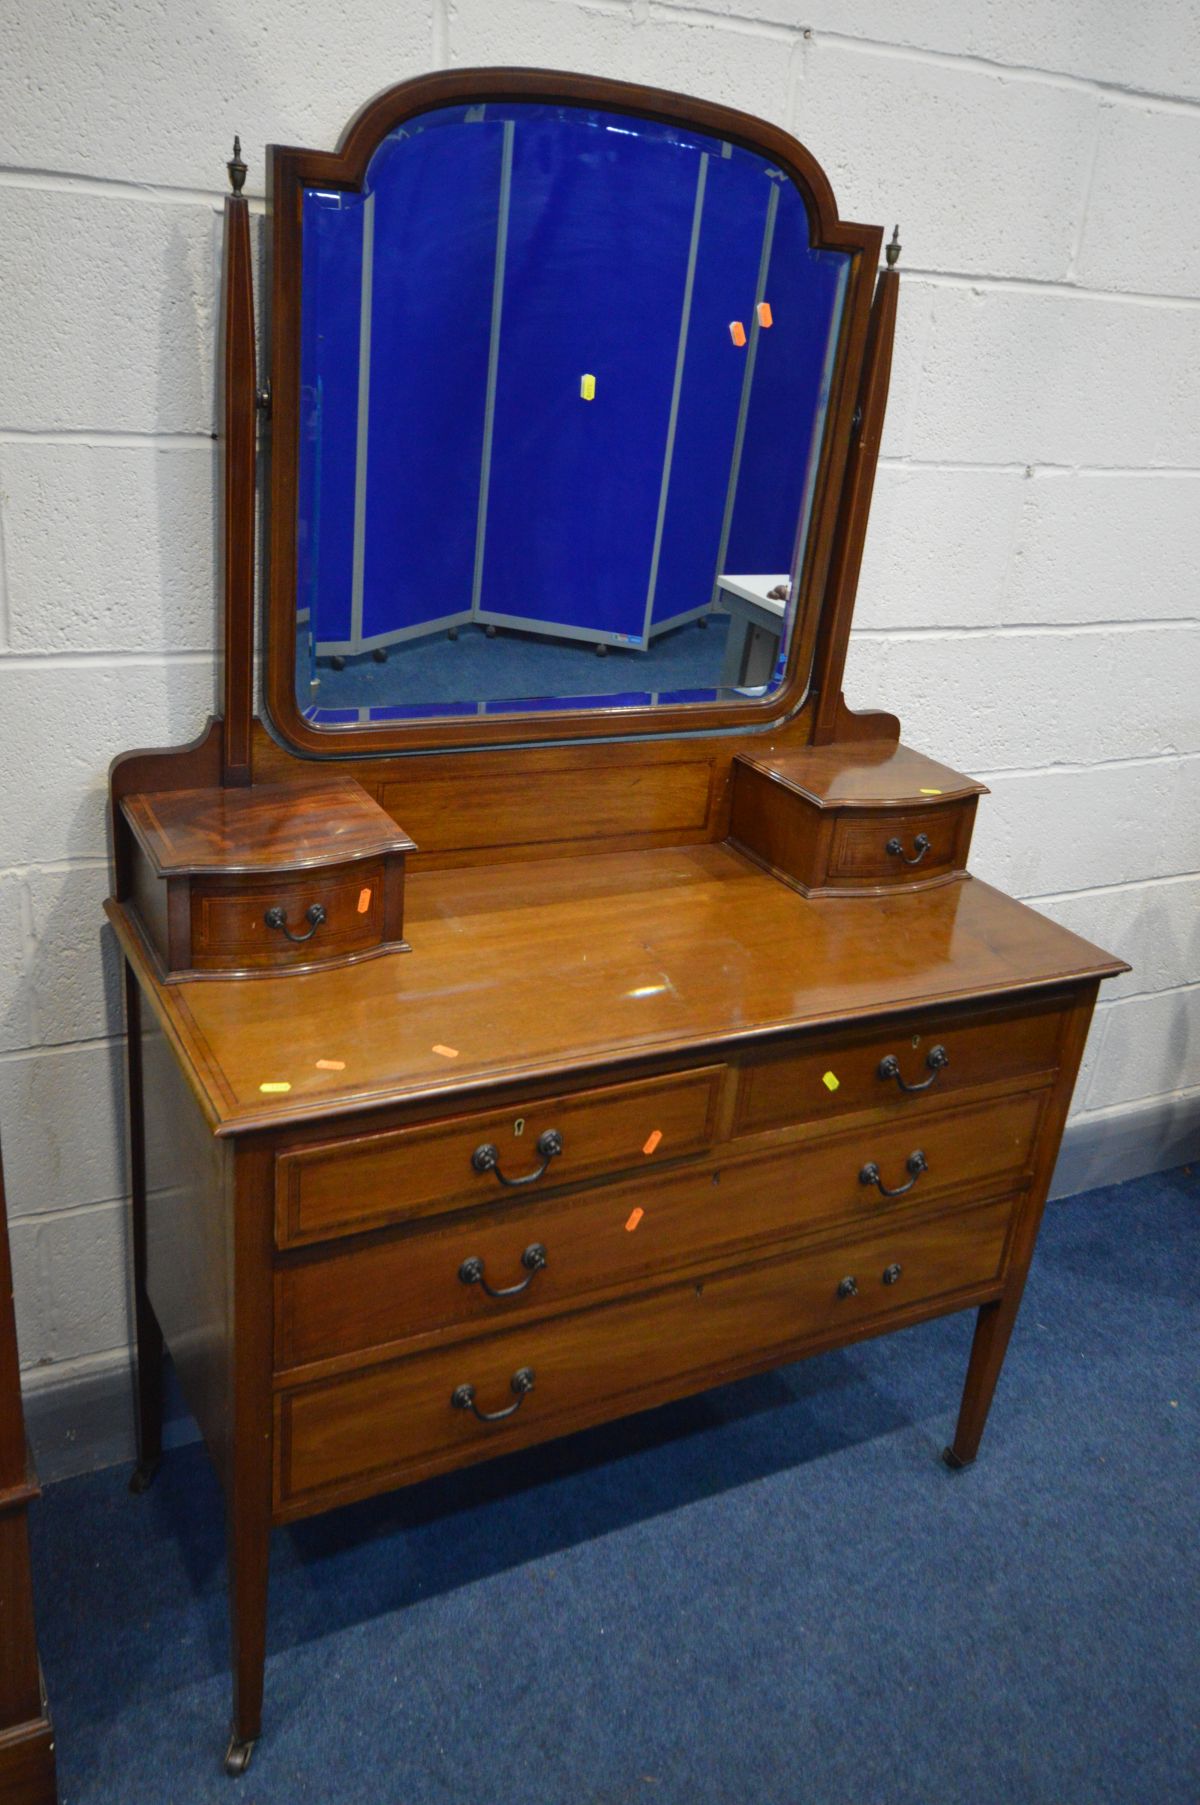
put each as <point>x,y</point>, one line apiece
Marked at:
<point>1029,596</point>
<point>136,566</point>
<point>875,117</point>
<point>1030,375</point>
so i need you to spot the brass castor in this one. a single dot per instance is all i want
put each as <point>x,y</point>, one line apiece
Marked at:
<point>237,1757</point>
<point>143,1475</point>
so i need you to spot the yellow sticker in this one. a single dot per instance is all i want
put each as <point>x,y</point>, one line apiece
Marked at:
<point>272,1088</point>
<point>587,388</point>
<point>446,1052</point>
<point>931,792</point>
<point>829,1081</point>
<point>633,1221</point>
<point>652,1143</point>
<point>331,1065</point>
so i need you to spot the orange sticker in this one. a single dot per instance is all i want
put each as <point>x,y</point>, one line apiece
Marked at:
<point>271,1088</point>
<point>652,1143</point>
<point>446,1052</point>
<point>331,1065</point>
<point>737,332</point>
<point>364,900</point>
<point>633,1221</point>
<point>765,316</point>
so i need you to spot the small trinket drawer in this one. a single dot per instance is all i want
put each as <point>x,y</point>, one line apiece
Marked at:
<point>246,882</point>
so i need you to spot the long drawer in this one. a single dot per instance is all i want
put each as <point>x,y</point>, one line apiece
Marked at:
<point>905,1065</point>
<point>368,1295</point>
<point>423,1413</point>
<point>340,1187</point>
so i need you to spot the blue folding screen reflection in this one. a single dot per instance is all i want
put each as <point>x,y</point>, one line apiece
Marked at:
<point>560,369</point>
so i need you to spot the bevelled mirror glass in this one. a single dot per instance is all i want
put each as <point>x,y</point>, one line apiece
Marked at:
<point>564,379</point>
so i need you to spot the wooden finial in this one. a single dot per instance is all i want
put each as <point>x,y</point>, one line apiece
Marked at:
<point>892,252</point>
<point>236,168</point>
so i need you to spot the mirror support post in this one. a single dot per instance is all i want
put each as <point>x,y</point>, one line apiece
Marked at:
<point>237,420</point>
<point>832,718</point>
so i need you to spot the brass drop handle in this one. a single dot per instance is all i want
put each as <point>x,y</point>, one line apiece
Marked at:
<point>937,1061</point>
<point>487,1158</point>
<point>276,917</point>
<point>892,1273</point>
<point>920,848</point>
<point>848,1288</point>
<point>533,1260</point>
<point>463,1397</point>
<point>914,1165</point>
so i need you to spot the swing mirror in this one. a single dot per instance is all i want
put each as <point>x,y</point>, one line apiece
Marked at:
<point>556,386</point>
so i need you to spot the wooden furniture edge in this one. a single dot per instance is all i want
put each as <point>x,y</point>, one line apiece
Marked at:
<point>237,412</point>
<point>858,484</point>
<point>228,1118</point>
<point>27,1767</point>
<point>202,1074</point>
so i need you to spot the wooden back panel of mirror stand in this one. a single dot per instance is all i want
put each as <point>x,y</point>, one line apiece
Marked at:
<point>291,170</point>
<point>511,803</point>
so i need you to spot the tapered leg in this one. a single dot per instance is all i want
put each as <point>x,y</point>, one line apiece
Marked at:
<point>994,1323</point>
<point>249,1561</point>
<point>248,1490</point>
<point>149,1351</point>
<point>993,1326</point>
<point>149,1383</point>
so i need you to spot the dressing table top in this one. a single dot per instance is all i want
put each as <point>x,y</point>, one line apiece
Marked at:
<point>544,967</point>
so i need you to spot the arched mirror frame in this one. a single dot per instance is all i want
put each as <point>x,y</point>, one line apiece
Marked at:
<point>292,170</point>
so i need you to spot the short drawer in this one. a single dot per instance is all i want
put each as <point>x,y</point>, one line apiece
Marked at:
<point>907,1065</point>
<point>338,1188</point>
<point>302,918</point>
<point>887,847</point>
<point>367,1296</point>
<point>417,1415</point>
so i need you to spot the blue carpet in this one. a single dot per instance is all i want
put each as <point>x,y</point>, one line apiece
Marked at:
<point>474,668</point>
<point>770,1595</point>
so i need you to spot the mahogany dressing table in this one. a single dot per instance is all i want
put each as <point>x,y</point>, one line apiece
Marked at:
<point>519,1040</point>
